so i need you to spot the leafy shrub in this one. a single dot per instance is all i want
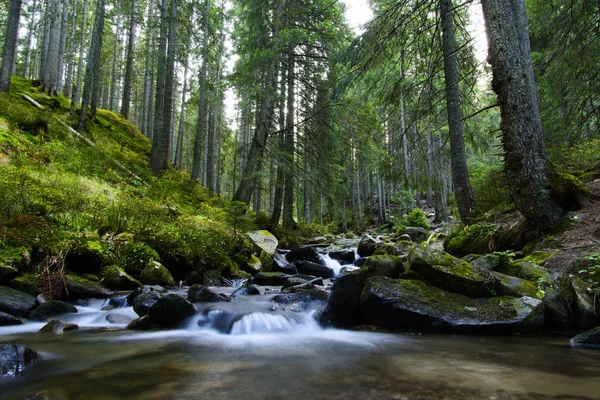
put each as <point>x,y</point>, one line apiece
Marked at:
<point>134,256</point>
<point>417,218</point>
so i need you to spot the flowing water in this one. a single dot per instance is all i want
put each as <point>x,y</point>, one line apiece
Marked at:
<point>251,349</point>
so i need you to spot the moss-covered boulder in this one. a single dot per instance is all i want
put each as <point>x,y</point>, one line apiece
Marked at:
<point>135,256</point>
<point>269,278</point>
<point>417,234</point>
<point>253,265</point>
<point>154,273</point>
<point>264,241</point>
<point>512,286</point>
<point>58,327</point>
<point>81,288</point>
<point>16,303</point>
<point>589,339</point>
<point>414,306</point>
<point>88,255</point>
<point>314,269</point>
<point>559,305</point>
<point>116,278</point>
<point>7,274</point>
<point>25,285</point>
<point>447,272</point>
<point>170,311</point>
<point>50,309</point>
<point>343,309</point>
<point>202,294</point>
<point>267,261</point>
<point>385,265</point>
<point>585,312</point>
<point>472,239</point>
<point>366,246</point>
<point>305,296</point>
<point>524,270</point>
<point>18,257</point>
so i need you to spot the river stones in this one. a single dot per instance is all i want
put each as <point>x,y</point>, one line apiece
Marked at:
<point>585,309</point>
<point>413,306</point>
<point>281,264</point>
<point>264,241</point>
<point>511,286</point>
<point>58,327</point>
<point>366,246</point>
<point>253,265</point>
<point>343,256</point>
<point>116,278</point>
<point>7,273</point>
<point>385,265</point>
<point>81,288</point>
<point>140,324</point>
<point>588,339</point>
<point>306,253</point>
<point>447,272</point>
<point>202,294</point>
<point>50,309</point>
<point>14,358</point>
<point>154,273</point>
<point>248,290</point>
<point>7,320</point>
<point>343,309</point>
<point>311,268</point>
<point>170,311</point>
<point>269,278</point>
<point>143,302</point>
<point>16,303</point>
<point>305,296</point>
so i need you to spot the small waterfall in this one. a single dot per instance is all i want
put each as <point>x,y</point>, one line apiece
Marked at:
<point>271,323</point>
<point>332,264</point>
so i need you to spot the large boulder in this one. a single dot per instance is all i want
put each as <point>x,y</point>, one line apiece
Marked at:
<point>385,265</point>
<point>264,241</point>
<point>306,253</point>
<point>343,309</point>
<point>248,290</point>
<point>447,272</point>
<point>58,327</point>
<point>588,339</point>
<point>81,288</point>
<point>524,270</point>
<point>7,273</point>
<point>201,294</point>
<point>14,358</point>
<point>343,256</point>
<point>145,289</point>
<point>16,303</point>
<point>558,303</point>
<point>585,311</point>
<point>269,278</point>
<point>154,273</point>
<point>311,268</point>
<point>413,306</point>
<point>143,302</point>
<point>306,296</point>
<point>253,265</point>
<point>116,278</point>
<point>281,264</point>
<point>50,309</point>
<point>367,246</point>
<point>170,311</point>
<point>511,286</point>
<point>416,233</point>
<point>7,319</point>
<point>24,285</point>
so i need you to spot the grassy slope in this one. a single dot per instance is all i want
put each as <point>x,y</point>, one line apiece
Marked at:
<point>61,199</point>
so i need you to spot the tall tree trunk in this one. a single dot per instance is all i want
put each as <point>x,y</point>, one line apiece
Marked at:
<point>77,91</point>
<point>10,44</point>
<point>525,159</point>
<point>68,89</point>
<point>278,196</point>
<point>179,147</point>
<point>45,37</point>
<point>92,70</point>
<point>198,148</point>
<point>288,192</point>
<point>129,63</point>
<point>114,74</point>
<point>26,72</point>
<point>212,142</point>
<point>460,172</point>
<point>50,73</point>
<point>63,45</point>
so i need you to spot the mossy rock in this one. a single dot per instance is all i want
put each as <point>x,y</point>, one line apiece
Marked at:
<point>135,256</point>
<point>81,288</point>
<point>7,273</point>
<point>264,241</point>
<point>472,239</point>
<point>88,255</point>
<point>266,261</point>
<point>414,306</point>
<point>385,265</point>
<point>154,273</point>
<point>539,257</point>
<point>117,279</point>
<point>447,272</point>
<point>511,286</point>
<point>524,270</point>
<point>586,309</point>
<point>253,265</point>
<point>567,190</point>
<point>51,309</point>
<point>26,285</point>
<point>18,257</point>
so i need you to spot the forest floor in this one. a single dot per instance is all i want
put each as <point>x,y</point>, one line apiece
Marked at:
<point>582,238</point>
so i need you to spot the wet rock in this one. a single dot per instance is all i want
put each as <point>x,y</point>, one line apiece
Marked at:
<point>269,278</point>
<point>306,253</point>
<point>81,288</point>
<point>385,265</point>
<point>343,256</point>
<point>7,320</point>
<point>588,339</point>
<point>154,273</point>
<point>447,272</point>
<point>140,324</point>
<point>584,300</point>
<point>264,241</point>
<point>366,246</point>
<point>511,286</point>
<point>486,263</point>
<point>58,327</point>
<point>114,318</point>
<point>170,311</point>
<point>16,303</point>
<point>248,290</point>
<point>293,281</point>
<point>416,234</point>
<point>145,289</point>
<point>306,296</point>
<point>50,309</point>
<point>405,237</point>
<point>202,294</point>
<point>558,306</point>
<point>361,261</point>
<point>343,309</point>
<point>116,278</point>
<point>280,264</point>
<point>311,268</point>
<point>143,302</point>
<point>524,270</point>
<point>413,306</point>
<point>299,288</point>
<point>22,284</point>
<point>118,300</point>
<point>253,265</point>
<point>7,274</point>
<point>14,358</point>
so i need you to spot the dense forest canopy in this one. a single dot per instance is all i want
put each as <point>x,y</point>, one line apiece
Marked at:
<point>328,125</point>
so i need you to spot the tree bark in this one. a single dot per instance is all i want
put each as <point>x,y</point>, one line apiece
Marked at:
<point>63,45</point>
<point>26,72</point>
<point>179,147</point>
<point>288,192</point>
<point>77,91</point>
<point>114,73</point>
<point>525,159</point>
<point>68,88</point>
<point>460,172</point>
<point>278,196</point>
<point>10,44</point>
<point>50,72</point>
<point>125,106</point>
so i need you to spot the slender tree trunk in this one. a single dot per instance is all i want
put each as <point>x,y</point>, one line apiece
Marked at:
<point>278,197</point>
<point>77,91</point>
<point>46,37</point>
<point>68,89</point>
<point>460,172</point>
<point>198,148</point>
<point>129,63</point>
<point>404,145</point>
<point>212,142</point>
<point>525,159</point>
<point>50,73</point>
<point>179,147</point>
<point>63,45</point>
<point>115,63</point>
<point>288,194</point>
<point>26,72</point>
<point>10,44</point>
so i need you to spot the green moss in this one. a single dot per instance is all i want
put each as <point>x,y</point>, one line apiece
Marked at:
<point>539,257</point>
<point>567,190</point>
<point>134,256</point>
<point>154,273</point>
<point>472,239</point>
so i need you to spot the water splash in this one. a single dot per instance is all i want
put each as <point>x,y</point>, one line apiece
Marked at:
<point>271,323</point>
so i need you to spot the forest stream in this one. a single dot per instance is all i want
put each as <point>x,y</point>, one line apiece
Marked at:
<point>248,348</point>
